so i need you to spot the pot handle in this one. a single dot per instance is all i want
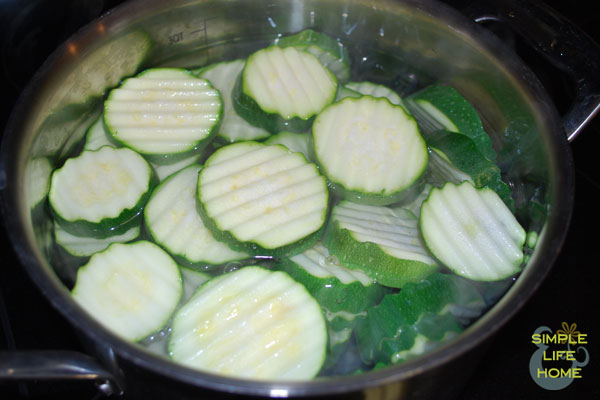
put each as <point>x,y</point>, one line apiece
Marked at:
<point>560,42</point>
<point>56,365</point>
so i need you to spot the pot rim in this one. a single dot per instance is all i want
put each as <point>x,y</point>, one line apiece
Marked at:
<point>551,238</point>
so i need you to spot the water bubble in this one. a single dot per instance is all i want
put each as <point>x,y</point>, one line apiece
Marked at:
<point>232,266</point>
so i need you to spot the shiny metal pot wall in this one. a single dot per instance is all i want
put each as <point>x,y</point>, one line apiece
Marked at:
<point>404,43</point>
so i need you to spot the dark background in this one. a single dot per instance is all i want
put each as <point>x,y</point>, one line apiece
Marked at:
<point>30,30</point>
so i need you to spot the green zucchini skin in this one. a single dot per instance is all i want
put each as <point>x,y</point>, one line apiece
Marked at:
<point>464,155</point>
<point>451,103</point>
<point>421,311</point>
<point>369,257</point>
<point>331,293</point>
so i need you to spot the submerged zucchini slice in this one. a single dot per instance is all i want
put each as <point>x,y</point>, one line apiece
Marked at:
<point>83,246</point>
<point>132,289</point>
<point>173,222</point>
<point>332,53</point>
<point>370,150</point>
<point>383,242</point>
<point>251,323</point>
<point>101,193</point>
<point>408,323</point>
<point>343,293</point>
<point>455,158</point>
<point>223,77</point>
<point>264,200</point>
<point>472,232</point>
<point>442,107</point>
<point>376,90</point>
<point>299,142</point>
<point>164,112</point>
<point>283,89</point>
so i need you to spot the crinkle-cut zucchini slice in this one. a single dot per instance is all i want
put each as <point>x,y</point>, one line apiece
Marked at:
<point>472,232</point>
<point>343,293</point>
<point>264,200</point>
<point>84,246</point>
<point>299,142</point>
<point>331,52</point>
<point>455,158</point>
<point>132,289</point>
<point>251,323</point>
<point>173,221</point>
<point>407,323</point>
<point>164,112</point>
<point>377,90</point>
<point>223,76</point>
<point>283,89</point>
<point>37,177</point>
<point>438,107</point>
<point>97,136</point>
<point>369,149</point>
<point>101,193</point>
<point>383,242</point>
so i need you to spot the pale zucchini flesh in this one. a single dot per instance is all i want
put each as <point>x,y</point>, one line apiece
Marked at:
<point>101,193</point>
<point>265,200</point>
<point>370,149</point>
<point>131,289</point>
<point>173,221</point>
<point>233,127</point>
<point>164,112</point>
<point>381,241</point>
<point>331,52</point>
<point>283,89</point>
<point>251,323</point>
<point>472,232</point>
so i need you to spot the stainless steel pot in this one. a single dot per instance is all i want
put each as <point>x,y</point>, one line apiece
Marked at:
<point>404,43</point>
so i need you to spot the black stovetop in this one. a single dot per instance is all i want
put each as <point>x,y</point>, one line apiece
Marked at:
<point>28,321</point>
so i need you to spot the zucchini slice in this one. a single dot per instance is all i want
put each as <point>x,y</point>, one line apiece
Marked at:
<point>82,246</point>
<point>163,113</point>
<point>132,289</point>
<point>377,90</point>
<point>223,77</point>
<point>407,323</point>
<point>331,52</point>
<point>383,242</point>
<point>251,323</point>
<point>298,142</point>
<point>97,136</point>
<point>101,193</point>
<point>283,89</point>
<point>455,158</point>
<point>472,232</point>
<point>442,107</point>
<point>172,220</point>
<point>344,294</point>
<point>370,150</point>
<point>38,172</point>
<point>264,200</point>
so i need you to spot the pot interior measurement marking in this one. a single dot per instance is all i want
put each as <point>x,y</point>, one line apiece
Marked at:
<point>197,32</point>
